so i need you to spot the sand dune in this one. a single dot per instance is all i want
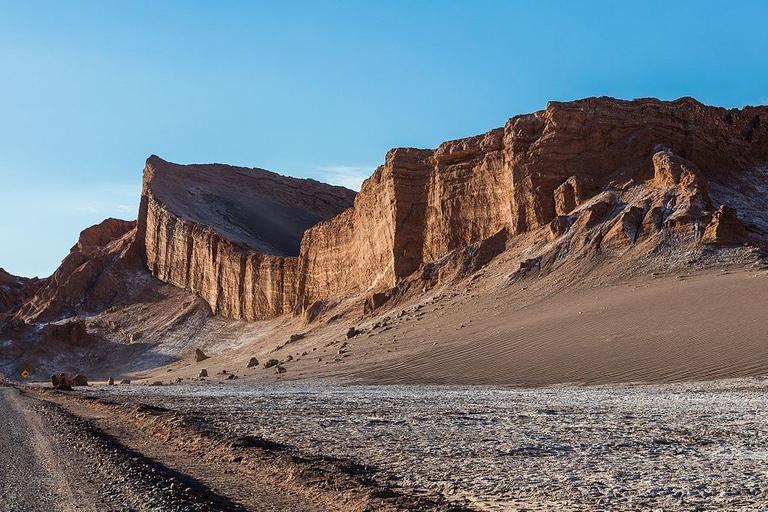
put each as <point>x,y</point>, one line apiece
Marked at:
<point>705,326</point>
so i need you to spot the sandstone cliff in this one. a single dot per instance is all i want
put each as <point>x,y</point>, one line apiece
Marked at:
<point>231,234</point>
<point>598,171</point>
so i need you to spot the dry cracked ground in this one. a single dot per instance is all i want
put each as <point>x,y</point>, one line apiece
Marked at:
<point>319,446</point>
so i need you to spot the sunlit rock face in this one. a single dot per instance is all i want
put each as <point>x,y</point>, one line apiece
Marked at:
<point>255,245</point>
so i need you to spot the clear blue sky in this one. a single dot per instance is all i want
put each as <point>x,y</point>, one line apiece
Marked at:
<point>89,89</point>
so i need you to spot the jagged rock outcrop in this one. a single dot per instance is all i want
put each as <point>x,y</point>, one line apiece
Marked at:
<point>92,276</point>
<point>628,169</point>
<point>14,291</point>
<point>725,228</point>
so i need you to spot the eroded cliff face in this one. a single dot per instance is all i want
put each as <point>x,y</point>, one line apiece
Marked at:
<point>231,234</point>
<point>598,171</point>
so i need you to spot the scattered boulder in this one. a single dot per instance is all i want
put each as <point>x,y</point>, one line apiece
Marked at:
<point>111,382</point>
<point>289,358</point>
<point>203,373</point>
<point>125,381</point>
<point>280,369</point>
<point>79,380</point>
<point>232,377</point>
<point>253,362</point>
<point>352,332</point>
<point>61,382</point>
<point>296,337</point>
<point>271,363</point>
<point>374,301</point>
<point>200,355</point>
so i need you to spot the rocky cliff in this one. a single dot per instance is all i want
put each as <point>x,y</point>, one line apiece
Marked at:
<point>256,245</point>
<point>231,234</point>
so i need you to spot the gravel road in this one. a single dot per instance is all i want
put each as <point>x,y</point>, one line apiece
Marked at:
<point>54,461</point>
<point>32,477</point>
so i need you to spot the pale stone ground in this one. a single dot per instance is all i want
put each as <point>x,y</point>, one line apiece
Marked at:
<point>682,446</point>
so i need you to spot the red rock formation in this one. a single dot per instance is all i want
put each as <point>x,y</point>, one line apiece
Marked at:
<point>725,228</point>
<point>91,277</point>
<point>231,234</point>
<point>594,164</point>
<point>14,291</point>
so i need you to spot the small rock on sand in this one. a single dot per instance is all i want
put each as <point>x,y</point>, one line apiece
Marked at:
<point>203,373</point>
<point>253,362</point>
<point>200,355</point>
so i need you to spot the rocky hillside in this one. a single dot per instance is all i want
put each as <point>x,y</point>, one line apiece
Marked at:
<point>564,190</point>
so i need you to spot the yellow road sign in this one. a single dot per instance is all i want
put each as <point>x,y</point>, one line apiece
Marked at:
<point>24,373</point>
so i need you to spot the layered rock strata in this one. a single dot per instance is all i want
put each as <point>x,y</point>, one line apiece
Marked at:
<point>231,234</point>
<point>629,168</point>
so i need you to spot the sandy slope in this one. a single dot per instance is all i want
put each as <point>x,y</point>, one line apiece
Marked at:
<point>703,324</point>
<point>666,329</point>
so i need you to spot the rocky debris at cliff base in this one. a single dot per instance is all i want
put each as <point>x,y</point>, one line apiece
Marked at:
<point>203,373</point>
<point>125,381</point>
<point>271,363</point>
<point>200,356</point>
<point>111,382</point>
<point>252,362</point>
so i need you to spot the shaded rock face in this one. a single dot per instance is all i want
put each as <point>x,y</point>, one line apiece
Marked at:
<point>643,165</point>
<point>14,291</point>
<point>91,277</point>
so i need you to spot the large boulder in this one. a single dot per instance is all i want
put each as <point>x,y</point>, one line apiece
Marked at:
<point>79,380</point>
<point>61,382</point>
